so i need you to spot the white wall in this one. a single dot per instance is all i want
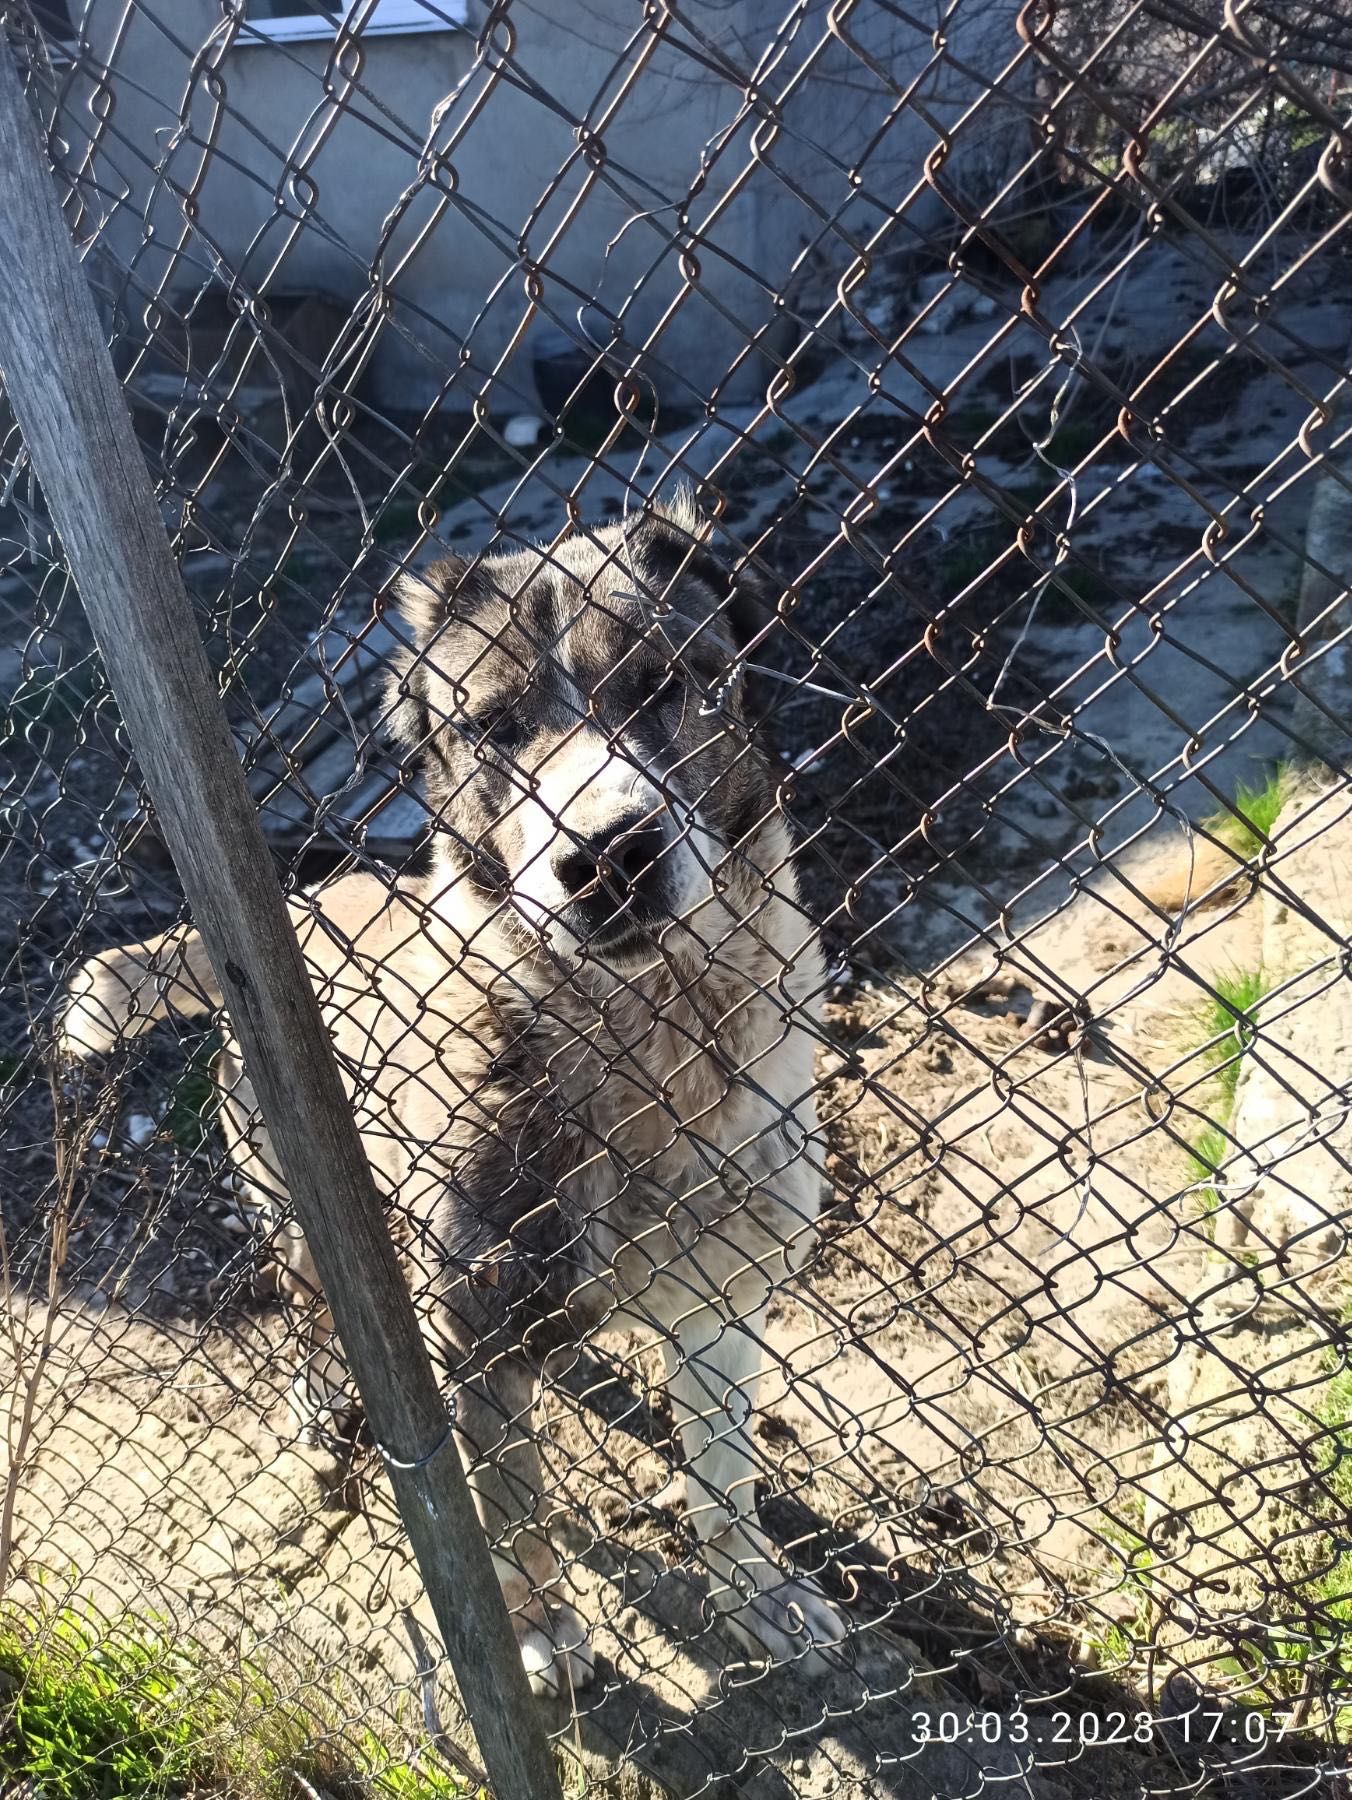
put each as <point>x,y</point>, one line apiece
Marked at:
<point>467,279</point>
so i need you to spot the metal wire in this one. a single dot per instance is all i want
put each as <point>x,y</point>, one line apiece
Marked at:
<point>780,580</point>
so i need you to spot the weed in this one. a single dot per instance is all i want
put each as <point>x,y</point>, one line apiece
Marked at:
<point>1222,1029</point>
<point>1072,442</point>
<point>965,562</point>
<point>1229,1029</point>
<point>1311,1649</point>
<point>113,1711</point>
<point>1247,825</point>
<point>194,1098</point>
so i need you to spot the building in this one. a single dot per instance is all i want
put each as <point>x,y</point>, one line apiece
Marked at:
<point>467,182</point>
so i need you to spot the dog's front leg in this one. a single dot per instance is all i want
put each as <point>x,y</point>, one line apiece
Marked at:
<point>494,1394</point>
<point>713,1363</point>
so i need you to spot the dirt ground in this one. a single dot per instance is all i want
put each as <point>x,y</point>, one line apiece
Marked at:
<point>965,1418</point>
<point>972,1394</point>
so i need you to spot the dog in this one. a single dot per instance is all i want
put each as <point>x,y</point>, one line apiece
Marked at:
<point>580,1050</point>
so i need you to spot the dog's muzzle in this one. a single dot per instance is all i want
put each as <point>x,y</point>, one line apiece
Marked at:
<point>615,881</point>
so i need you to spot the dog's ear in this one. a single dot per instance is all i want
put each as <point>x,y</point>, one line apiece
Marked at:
<point>426,598</point>
<point>668,545</point>
<point>423,601</point>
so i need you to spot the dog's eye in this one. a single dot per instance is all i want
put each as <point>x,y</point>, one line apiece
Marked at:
<point>656,686</point>
<point>504,733</point>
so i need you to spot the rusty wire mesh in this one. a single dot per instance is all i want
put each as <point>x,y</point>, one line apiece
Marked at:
<point>999,351</point>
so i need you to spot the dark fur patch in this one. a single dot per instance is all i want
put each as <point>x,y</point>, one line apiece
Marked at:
<point>669,555</point>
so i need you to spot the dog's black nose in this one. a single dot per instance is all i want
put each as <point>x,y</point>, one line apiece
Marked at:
<point>613,868</point>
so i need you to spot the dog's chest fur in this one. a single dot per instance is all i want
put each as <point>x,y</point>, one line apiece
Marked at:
<point>638,1143</point>
<point>621,1133</point>
<point>695,1102</point>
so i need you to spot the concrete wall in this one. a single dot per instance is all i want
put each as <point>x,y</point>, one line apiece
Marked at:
<point>456,256</point>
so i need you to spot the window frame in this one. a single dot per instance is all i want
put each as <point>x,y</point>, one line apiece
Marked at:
<point>383,18</point>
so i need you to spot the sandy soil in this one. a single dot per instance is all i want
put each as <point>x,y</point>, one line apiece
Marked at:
<point>965,1418</point>
<point>968,1411</point>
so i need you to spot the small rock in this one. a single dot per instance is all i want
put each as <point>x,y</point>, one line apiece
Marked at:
<point>140,1128</point>
<point>954,303</point>
<point>523,431</point>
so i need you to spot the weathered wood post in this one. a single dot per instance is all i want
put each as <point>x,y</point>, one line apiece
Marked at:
<point>79,435</point>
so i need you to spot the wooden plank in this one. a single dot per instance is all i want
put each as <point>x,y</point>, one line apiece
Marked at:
<point>79,436</point>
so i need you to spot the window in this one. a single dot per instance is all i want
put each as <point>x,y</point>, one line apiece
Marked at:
<point>290,21</point>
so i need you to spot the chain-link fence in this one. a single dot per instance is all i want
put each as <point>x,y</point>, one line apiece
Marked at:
<point>779,578</point>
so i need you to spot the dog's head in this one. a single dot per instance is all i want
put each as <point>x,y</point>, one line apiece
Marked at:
<point>579,714</point>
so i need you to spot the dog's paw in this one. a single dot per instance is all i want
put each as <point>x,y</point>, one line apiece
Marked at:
<point>555,1648</point>
<point>1274,1217</point>
<point>792,1622</point>
<point>321,1407</point>
<point>773,1616</point>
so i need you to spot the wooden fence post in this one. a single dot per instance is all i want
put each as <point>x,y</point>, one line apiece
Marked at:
<point>79,436</point>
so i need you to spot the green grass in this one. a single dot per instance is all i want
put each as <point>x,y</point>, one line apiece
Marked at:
<point>1223,1030</point>
<point>1310,1650</point>
<point>92,1719</point>
<point>1247,828</point>
<point>96,1711</point>
<point>1029,494</point>
<point>1074,583</point>
<point>1223,1027</point>
<point>969,423</point>
<point>1209,1150</point>
<point>194,1099</point>
<point>1117,1646</point>
<point>400,520</point>
<point>1072,442</point>
<point>964,563</point>
<point>60,698</point>
<point>1226,1020</point>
